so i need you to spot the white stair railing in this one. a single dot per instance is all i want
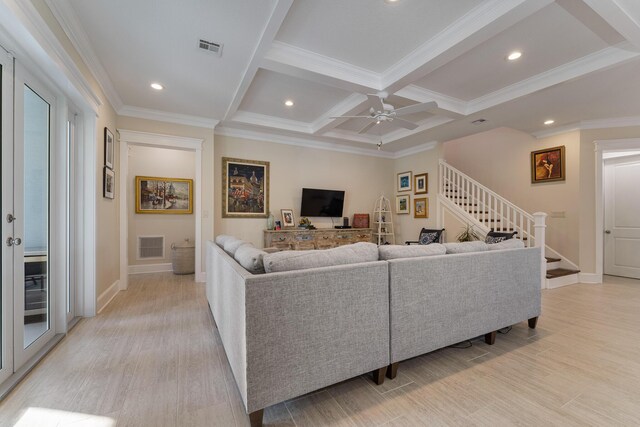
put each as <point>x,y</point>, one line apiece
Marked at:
<point>485,207</point>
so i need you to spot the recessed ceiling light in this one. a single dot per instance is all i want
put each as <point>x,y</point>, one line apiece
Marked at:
<point>391,1</point>
<point>514,55</point>
<point>288,103</point>
<point>549,122</point>
<point>157,86</point>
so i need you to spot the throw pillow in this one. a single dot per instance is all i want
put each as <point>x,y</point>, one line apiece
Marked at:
<point>506,244</point>
<point>465,247</point>
<point>232,245</point>
<point>302,260</point>
<point>222,238</point>
<point>429,236</point>
<point>388,252</point>
<point>250,258</point>
<point>497,237</point>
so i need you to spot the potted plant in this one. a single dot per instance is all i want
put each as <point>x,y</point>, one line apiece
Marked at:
<point>468,234</point>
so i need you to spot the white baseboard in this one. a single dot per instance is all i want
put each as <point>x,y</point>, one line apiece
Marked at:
<point>150,268</point>
<point>201,277</point>
<point>590,278</point>
<point>108,295</point>
<point>558,282</point>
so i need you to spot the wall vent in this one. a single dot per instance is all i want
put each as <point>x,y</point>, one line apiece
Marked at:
<point>211,47</point>
<point>150,247</point>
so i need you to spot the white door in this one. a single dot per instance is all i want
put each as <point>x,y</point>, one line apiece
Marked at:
<point>622,217</point>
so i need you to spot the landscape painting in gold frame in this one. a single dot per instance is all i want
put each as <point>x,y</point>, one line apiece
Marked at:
<point>421,207</point>
<point>171,196</point>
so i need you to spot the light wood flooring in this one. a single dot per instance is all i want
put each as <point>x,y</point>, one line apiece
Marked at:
<point>153,358</point>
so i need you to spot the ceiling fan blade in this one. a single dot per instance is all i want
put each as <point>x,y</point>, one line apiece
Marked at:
<point>416,108</point>
<point>351,117</point>
<point>367,127</point>
<point>375,102</point>
<point>404,124</point>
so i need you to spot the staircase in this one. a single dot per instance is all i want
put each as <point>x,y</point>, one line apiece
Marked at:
<point>475,204</point>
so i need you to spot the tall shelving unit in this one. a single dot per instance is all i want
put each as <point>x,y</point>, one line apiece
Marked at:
<point>383,222</point>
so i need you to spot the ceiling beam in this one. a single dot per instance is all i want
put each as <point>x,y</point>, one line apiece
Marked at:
<point>274,23</point>
<point>352,105</point>
<point>623,15</point>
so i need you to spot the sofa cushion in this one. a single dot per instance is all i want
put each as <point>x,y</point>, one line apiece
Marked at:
<point>250,258</point>
<point>506,244</point>
<point>428,236</point>
<point>497,237</point>
<point>232,245</point>
<point>465,247</point>
<point>222,238</point>
<point>410,251</point>
<point>301,260</point>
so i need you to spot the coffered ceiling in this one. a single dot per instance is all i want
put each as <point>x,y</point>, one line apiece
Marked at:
<point>580,62</point>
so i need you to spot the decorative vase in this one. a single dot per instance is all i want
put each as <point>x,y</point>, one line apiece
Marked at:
<point>270,222</point>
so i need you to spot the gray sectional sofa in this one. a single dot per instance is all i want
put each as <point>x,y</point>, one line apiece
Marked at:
<point>307,324</point>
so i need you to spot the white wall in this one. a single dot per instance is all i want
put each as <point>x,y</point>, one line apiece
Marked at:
<point>158,162</point>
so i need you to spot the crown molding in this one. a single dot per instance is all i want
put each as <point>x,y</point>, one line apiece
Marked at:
<point>415,150</point>
<point>147,138</point>
<point>445,102</point>
<point>618,122</point>
<point>619,17</point>
<point>349,106</point>
<point>423,125</point>
<point>282,53</point>
<point>300,142</point>
<point>247,117</point>
<point>596,61</point>
<point>163,116</point>
<point>70,24</point>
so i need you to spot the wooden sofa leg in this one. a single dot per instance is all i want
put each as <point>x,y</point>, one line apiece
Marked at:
<point>490,338</point>
<point>378,375</point>
<point>255,418</point>
<point>392,370</point>
<point>533,322</point>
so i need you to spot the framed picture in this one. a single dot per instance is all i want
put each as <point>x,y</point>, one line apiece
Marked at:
<point>402,204</point>
<point>278,225</point>
<point>421,207</point>
<point>421,183</point>
<point>548,165</point>
<point>108,183</point>
<point>245,188</point>
<point>288,219</point>
<point>361,220</point>
<point>108,148</point>
<point>404,181</point>
<point>155,195</point>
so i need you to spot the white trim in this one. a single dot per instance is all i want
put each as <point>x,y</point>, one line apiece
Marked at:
<point>621,19</point>
<point>349,106</point>
<point>150,268</point>
<point>590,278</point>
<point>558,282</point>
<point>445,102</point>
<point>615,122</point>
<point>86,185</point>
<point>108,295</point>
<point>256,119</point>
<point>599,147</point>
<point>415,150</point>
<point>165,116</point>
<point>129,137</point>
<point>423,125</point>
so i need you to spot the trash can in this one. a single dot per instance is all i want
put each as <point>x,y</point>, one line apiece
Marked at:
<point>183,257</point>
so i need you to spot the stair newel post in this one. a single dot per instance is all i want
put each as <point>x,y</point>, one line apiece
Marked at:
<point>539,233</point>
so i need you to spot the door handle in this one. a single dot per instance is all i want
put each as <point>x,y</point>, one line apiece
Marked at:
<point>14,242</point>
<point>607,231</point>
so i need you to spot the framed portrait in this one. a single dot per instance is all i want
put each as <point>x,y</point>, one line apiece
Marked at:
<point>421,207</point>
<point>278,225</point>
<point>404,181</point>
<point>155,195</point>
<point>245,188</point>
<point>108,183</point>
<point>288,220</point>
<point>361,220</point>
<point>402,204</point>
<point>421,183</point>
<point>548,165</point>
<point>108,148</point>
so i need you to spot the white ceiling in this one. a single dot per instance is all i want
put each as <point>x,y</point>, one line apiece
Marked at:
<point>581,62</point>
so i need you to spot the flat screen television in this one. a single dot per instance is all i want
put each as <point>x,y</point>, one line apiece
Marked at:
<point>321,202</point>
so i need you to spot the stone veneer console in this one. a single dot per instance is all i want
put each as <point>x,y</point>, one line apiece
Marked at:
<point>323,238</point>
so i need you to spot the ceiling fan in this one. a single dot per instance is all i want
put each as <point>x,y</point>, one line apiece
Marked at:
<point>380,112</point>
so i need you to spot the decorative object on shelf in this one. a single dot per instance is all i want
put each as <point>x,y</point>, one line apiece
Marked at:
<point>288,220</point>
<point>270,221</point>
<point>278,225</point>
<point>108,183</point>
<point>421,183</point>
<point>468,234</point>
<point>548,165</point>
<point>155,195</point>
<point>305,223</point>
<point>402,204</point>
<point>404,181</point>
<point>108,148</point>
<point>245,188</point>
<point>383,222</point>
<point>361,220</point>
<point>421,207</point>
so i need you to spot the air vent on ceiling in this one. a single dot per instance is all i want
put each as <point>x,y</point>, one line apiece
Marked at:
<point>211,47</point>
<point>150,247</point>
<point>478,122</point>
